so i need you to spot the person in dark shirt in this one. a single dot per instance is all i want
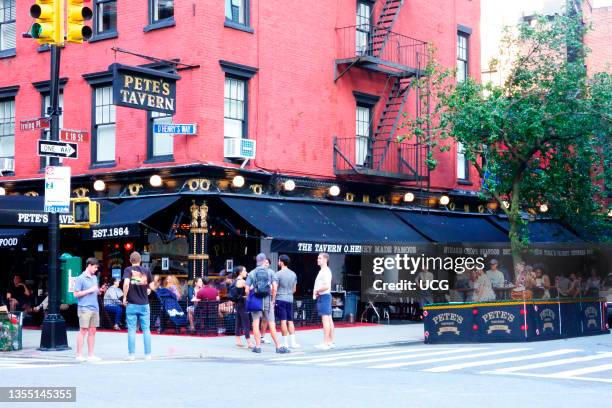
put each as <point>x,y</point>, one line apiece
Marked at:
<point>18,295</point>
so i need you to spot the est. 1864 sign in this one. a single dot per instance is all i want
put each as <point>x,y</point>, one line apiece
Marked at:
<point>144,88</point>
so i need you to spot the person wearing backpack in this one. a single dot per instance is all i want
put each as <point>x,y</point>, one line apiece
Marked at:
<point>262,283</point>
<point>137,284</point>
<point>237,294</point>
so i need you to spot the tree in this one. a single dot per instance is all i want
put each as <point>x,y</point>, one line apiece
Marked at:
<point>542,138</point>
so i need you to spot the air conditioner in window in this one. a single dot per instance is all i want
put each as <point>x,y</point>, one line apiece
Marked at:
<point>7,164</point>
<point>236,148</point>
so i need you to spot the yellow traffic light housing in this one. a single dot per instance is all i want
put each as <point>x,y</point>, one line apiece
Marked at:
<point>76,15</point>
<point>49,25</point>
<point>85,211</point>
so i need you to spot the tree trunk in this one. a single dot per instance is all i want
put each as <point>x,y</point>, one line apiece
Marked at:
<point>514,219</point>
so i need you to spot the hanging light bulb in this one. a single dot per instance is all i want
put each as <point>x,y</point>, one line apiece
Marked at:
<point>238,181</point>
<point>99,185</point>
<point>334,191</point>
<point>409,197</point>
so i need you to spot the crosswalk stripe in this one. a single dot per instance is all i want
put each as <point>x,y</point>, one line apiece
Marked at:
<point>453,367</point>
<point>594,379</point>
<point>578,372</point>
<point>328,358</point>
<point>401,357</point>
<point>549,363</point>
<point>437,360</point>
<point>345,353</point>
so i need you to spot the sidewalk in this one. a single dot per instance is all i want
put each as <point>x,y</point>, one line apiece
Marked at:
<point>113,345</point>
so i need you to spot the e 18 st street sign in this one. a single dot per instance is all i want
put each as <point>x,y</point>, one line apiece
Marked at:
<point>51,148</point>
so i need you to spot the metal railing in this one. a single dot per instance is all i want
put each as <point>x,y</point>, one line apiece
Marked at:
<point>399,49</point>
<point>384,158</point>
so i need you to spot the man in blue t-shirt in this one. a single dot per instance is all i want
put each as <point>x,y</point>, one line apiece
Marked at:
<point>86,291</point>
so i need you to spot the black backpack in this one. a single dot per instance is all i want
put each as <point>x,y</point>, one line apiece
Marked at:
<point>233,293</point>
<point>262,283</point>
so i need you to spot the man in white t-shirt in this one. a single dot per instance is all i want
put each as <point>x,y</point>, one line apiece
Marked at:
<point>322,293</point>
<point>495,275</point>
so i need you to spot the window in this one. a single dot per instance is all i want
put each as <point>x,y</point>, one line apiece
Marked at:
<point>7,28</point>
<point>105,21</point>
<point>362,134</point>
<point>364,25</point>
<point>463,169</point>
<point>161,10</point>
<point>103,135</point>
<point>462,56</point>
<point>236,11</point>
<point>7,129</point>
<point>235,108</point>
<point>46,133</point>
<point>160,145</point>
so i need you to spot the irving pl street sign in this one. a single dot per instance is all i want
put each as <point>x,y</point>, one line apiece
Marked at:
<point>34,124</point>
<point>144,88</point>
<point>51,148</point>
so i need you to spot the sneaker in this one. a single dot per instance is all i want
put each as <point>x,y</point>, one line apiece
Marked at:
<point>80,359</point>
<point>116,327</point>
<point>265,341</point>
<point>93,359</point>
<point>322,346</point>
<point>283,350</point>
<point>332,346</point>
<point>295,346</point>
<point>148,357</point>
<point>257,350</point>
<point>131,357</point>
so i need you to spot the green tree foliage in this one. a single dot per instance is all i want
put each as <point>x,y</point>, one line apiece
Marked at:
<point>543,137</point>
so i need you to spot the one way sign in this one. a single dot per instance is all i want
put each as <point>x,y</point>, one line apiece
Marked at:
<point>52,148</point>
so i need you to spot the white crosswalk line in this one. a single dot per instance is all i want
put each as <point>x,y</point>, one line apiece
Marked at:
<point>438,360</point>
<point>549,364</point>
<point>346,353</point>
<point>578,372</point>
<point>402,357</point>
<point>327,358</point>
<point>453,367</point>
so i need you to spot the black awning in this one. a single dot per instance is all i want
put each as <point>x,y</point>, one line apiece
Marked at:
<point>125,219</point>
<point>451,227</point>
<point>543,231</point>
<point>313,227</point>
<point>22,211</point>
<point>10,238</point>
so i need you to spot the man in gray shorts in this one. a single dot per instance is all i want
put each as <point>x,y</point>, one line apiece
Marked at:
<point>287,284</point>
<point>86,291</point>
<point>264,278</point>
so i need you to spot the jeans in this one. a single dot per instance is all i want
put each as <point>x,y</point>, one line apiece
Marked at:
<point>117,310</point>
<point>133,313</point>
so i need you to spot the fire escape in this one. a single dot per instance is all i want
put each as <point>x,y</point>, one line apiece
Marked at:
<point>375,47</point>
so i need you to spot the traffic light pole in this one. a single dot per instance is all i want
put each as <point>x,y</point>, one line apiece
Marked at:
<point>53,336</point>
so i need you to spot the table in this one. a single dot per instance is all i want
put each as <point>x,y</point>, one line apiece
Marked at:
<point>503,292</point>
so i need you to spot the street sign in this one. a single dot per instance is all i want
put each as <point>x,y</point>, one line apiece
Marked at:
<point>176,129</point>
<point>34,124</point>
<point>74,136</point>
<point>52,148</point>
<point>57,189</point>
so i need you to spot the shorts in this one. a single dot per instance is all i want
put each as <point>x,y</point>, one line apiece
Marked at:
<point>324,305</point>
<point>88,318</point>
<point>267,313</point>
<point>284,310</point>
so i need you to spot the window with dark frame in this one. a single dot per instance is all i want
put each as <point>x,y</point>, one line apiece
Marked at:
<point>160,146</point>
<point>463,168</point>
<point>237,11</point>
<point>235,108</point>
<point>7,25</point>
<point>46,133</point>
<point>363,129</point>
<point>363,27</point>
<point>462,56</point>
<point>7,128</point>
<point>161,10</point>
<point>105,17</point>
<point>104,126</point>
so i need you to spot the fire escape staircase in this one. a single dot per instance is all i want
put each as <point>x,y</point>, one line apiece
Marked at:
<point>384,26</point>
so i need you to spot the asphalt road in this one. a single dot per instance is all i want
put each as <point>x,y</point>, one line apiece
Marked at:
<point>562,373</point>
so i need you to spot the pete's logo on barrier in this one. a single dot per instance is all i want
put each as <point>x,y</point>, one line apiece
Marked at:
<point>448,323</point>
<point>498,321</point>
<point>548,317</point>
<point>591,315</point>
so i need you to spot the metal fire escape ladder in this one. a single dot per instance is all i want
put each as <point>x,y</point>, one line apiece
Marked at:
<point>390,119</point>
<point>384,26</point>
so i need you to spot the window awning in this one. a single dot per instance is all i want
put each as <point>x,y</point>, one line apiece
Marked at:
<point>543,231</point>
<point>313,227</point>
<point>11,238</point>
<point>125,219</point>
<point>20,210</point>
<point>453,227</point>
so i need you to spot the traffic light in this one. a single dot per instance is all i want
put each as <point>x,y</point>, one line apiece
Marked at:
<point>77,14</point>
<point>85,211</point>
<point>49,25</point>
